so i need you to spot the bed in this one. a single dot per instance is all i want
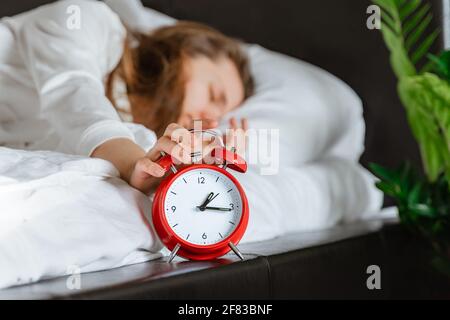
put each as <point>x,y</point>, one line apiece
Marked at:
<point>271,268</point>
<point>327,264</point>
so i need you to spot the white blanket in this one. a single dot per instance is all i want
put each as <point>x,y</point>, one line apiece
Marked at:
<point>59,211</point>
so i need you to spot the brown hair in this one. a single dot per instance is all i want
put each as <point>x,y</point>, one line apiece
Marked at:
<point>152,71</point>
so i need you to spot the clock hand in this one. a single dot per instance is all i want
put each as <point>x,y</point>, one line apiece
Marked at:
<point>215,208</point>
<point>208,200</point>
<point>213,198</point>
<point>210,195</point>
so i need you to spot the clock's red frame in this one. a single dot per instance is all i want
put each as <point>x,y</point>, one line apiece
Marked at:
<point>190,250</point>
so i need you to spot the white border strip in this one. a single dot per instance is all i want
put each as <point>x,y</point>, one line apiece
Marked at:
<point>446,22</point>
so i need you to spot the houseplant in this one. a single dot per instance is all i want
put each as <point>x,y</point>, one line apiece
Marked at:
<point>423,86</point>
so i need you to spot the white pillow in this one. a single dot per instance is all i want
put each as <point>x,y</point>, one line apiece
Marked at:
<point>317,114</point>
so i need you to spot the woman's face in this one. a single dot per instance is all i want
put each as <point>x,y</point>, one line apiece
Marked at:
<point>213,88</point>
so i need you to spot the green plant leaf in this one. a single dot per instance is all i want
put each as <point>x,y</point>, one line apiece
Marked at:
<point>387,188</point>
<point>411,23</point>
<point>438,65</point>
<point>414,36</point>
<point>403,26</point>
<point>383,173</point>
<point>387,5</point>
<point>414,195</point>
<point>408,8</point>
<point>422,210</point>
<point>391,23</point>
<point>423,204</point>
<point>427,101</point>
<point>423,48</point>
<point>441,64</point>
<point>400,62</point>
<point>431,151</point>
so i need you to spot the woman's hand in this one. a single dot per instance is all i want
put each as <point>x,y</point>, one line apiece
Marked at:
<point>235,137</point>
<point>177,142</point>
<point>141,169</point>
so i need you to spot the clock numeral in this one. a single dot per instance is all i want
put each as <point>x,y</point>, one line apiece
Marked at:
<point>232,206</point>
<point>204,236</point>
<point>201,180</point>
<point>173,208</point>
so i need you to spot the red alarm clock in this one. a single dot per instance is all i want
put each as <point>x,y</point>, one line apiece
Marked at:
<point>200,211</point>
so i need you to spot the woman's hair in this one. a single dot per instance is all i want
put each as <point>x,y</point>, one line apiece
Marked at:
<point>153,70</point>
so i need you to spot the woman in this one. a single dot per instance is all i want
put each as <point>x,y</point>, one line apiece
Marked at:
<point>62,62</point>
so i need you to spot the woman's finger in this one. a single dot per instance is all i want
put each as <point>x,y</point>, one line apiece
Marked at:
<point>166,145</point>
<point>171,128</point>
<point>177,133</point>
<point>183,137</point>
<point>233,123</point>
<point>149,167</point>
<point>177,151</point>
<point>244,123</point>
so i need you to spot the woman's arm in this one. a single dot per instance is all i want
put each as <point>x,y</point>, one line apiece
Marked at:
<point>141,169</point>
<point>122,153</point>
<point>68,64</point>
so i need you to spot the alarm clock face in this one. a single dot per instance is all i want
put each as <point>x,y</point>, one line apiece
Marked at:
<point>203,206</point>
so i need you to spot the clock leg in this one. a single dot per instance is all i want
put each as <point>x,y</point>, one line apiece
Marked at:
<point>236,250</point>
<point>173,254</point>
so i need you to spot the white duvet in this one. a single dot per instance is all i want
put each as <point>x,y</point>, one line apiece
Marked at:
<point>60,212</point>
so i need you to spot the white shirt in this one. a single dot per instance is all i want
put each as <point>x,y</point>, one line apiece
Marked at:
<point>52,93</point>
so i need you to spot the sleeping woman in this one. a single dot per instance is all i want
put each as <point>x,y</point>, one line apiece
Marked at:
<point>62,66</point>
<point>58,85</point>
